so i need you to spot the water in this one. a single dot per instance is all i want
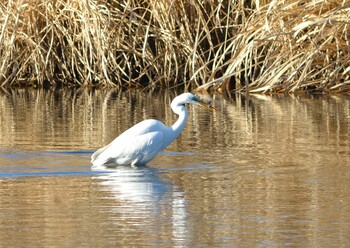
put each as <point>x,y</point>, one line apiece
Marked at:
<point>259,172</point>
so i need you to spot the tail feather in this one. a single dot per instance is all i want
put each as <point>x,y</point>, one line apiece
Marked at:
<point>97,159</point>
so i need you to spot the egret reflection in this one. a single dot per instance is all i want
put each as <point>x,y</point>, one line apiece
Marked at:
<point>141,197</point>
<point>133,184</point>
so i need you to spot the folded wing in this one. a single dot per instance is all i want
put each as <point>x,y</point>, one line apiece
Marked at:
<point>137,145</point>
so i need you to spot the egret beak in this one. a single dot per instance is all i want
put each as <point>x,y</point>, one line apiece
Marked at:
<point>206,105</point>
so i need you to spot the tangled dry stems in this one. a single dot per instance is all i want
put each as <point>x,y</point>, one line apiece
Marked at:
<point>256,46</point>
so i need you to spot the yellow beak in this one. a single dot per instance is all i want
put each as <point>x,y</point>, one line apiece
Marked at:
<point>207,105</point>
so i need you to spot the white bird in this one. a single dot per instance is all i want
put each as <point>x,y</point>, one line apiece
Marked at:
<point>142,142</point>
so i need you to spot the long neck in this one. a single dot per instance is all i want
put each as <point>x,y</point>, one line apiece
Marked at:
<point>179,125</point>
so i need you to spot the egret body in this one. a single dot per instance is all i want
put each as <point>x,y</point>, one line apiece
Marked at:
<point>142,142</point>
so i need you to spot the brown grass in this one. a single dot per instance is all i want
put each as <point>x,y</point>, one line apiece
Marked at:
<point>264,46</point>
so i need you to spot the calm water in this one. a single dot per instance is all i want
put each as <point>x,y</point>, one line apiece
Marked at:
<point>259,172</point>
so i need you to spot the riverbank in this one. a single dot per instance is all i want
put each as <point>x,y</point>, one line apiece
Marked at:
<point>264,46</point>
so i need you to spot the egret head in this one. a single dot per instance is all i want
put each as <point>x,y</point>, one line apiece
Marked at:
<point>184,98</point>
<point>205,102</point>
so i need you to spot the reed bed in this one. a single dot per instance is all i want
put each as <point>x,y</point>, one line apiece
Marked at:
<point>255,46</point>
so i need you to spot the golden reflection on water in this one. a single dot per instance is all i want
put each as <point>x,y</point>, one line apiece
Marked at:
<point>262,171</point>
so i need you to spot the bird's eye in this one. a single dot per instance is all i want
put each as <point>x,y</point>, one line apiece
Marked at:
<point>196,98</point>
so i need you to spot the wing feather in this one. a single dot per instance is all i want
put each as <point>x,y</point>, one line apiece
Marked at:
<point>137,145</point>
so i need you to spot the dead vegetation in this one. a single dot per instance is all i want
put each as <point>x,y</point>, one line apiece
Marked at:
<point>256,46</point>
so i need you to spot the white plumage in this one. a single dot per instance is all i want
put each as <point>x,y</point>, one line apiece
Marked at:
<point>142,142</point>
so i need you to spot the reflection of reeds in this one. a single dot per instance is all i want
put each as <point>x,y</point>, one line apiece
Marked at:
<point>271,157</point>
<point>263,46</point>
<point>73,119</point>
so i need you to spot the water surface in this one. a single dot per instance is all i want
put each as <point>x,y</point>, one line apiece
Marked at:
<point>265,171</point>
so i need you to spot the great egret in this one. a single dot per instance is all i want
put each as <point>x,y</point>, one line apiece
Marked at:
<point>142,142</point>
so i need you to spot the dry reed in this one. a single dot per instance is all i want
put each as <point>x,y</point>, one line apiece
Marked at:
<point>256,46</point>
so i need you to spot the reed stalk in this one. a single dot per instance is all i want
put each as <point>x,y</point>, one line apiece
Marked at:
<point>255,46</point>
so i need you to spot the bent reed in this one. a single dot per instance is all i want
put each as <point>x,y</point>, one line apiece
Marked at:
<point>256,46</point>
